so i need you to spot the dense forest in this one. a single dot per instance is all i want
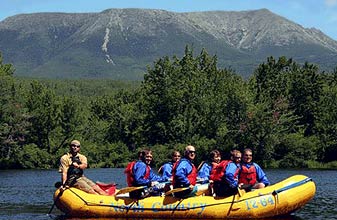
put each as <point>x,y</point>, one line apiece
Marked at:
<point>286,112</point>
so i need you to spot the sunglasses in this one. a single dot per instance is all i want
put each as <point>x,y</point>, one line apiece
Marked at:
<point>74,145</point>
<point>191,151</point>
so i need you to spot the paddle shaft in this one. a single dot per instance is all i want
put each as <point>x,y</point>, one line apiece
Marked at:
<point>52,207</point>
<point>135,188</point>
<point>181,189</point>
<point>130,189</point>
<point>71,181</point>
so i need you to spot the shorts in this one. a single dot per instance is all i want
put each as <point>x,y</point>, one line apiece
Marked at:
<point>84,184</point>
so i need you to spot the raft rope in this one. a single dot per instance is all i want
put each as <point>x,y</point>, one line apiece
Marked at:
<point>274,193</point>
<point>293,185</point>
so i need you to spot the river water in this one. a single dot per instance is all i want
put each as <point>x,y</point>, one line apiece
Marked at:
<point>27,194</point>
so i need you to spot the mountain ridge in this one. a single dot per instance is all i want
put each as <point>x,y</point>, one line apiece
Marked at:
<point>120,43</point>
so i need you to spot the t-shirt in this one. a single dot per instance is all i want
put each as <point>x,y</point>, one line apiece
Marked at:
<point>66,161</point>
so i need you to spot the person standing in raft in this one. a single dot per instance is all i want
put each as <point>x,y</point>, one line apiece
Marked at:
<point>251,175</point>
<point>184,174</point>
<point>71,168</point>
<point>139,173</point>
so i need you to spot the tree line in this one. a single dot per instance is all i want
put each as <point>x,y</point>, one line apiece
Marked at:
<point>286,112</point>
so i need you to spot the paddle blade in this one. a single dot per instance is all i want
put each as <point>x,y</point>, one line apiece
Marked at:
<point>176,190</point>
<point>130,189</point>
<point>58,184</point>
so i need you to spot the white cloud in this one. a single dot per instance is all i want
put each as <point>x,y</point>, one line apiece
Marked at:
<point>330,3</point>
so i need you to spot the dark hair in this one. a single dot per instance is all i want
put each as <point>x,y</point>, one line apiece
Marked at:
<point>214,153</point>
<point>143,153</point>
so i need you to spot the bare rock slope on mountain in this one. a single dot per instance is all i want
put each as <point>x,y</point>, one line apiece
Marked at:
<point>120,43</point>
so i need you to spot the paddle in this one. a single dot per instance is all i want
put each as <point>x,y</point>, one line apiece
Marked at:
<point>176,190</point>
<point>68,182</point>
<point>57,198</point>
<point>183,188</point>
<point>130,189</point>
<point>135,188</point>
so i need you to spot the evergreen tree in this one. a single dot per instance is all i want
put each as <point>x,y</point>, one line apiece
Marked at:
<point>44,112</point>
<point>13,123</point>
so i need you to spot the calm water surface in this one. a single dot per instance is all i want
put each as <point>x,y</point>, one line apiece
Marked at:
<point>27,194</point>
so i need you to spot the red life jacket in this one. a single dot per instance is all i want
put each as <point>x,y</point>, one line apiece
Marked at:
<point>147,172</point>
<point>130,175</point>
<point>192,176</point>
<point>219,171</point>
<point>214,167</point>
<point>236,174</point>
<point>248,175</point>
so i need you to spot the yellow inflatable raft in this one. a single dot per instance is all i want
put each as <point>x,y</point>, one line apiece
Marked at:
<point>281,198</point>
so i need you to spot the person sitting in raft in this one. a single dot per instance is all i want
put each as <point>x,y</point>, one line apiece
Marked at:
<point>139,173</point>
<point>184,174</point>
<point>251,175</point>
<point>71,168</point>
<point>166,168</point>
<point>205,168</point>
<point>224,178</point>
<point>236,157</point>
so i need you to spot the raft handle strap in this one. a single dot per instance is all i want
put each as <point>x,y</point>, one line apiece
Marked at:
<point>292,186</point>
<point>275,194</point>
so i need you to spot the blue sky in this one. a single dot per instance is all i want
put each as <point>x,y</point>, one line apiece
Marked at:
<point>321,14</point>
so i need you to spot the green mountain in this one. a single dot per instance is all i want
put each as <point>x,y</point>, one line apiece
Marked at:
<point>120,43</point>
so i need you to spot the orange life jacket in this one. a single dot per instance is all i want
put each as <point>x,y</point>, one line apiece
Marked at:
<point>219,171</point>
<point>192,176</point>
<point>248,175</point>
